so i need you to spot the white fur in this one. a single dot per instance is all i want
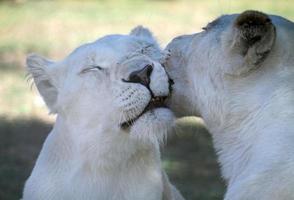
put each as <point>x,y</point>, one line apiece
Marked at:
<point>88,155</point>
<point>250,117</point>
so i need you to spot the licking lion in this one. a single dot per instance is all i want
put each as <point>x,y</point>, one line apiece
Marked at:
<point>238,75</point>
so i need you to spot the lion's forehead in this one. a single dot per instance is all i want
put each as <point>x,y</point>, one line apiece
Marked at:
<point>224,22</point>
<point>221,22</point>
<point>109,50</point>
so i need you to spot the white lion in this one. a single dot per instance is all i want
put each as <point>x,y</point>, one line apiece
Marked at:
<point>109,97</point>
<point>238,75</point>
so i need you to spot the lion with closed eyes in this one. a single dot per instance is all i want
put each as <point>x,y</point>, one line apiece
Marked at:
<point>111,118</point>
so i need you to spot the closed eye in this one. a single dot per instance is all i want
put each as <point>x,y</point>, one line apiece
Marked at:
<point>92,69</point>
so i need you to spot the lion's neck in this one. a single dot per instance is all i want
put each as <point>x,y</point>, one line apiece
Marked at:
<point>247,135</point>
<point>98,147</point>
<point>104,165</point>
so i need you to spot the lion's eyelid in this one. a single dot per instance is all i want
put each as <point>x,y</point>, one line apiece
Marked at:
<point>92,68</point>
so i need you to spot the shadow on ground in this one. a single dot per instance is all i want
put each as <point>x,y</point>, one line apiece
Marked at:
<point>188,158</point>
<point>190,161</point>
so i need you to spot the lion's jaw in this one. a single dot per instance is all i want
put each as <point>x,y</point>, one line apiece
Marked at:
<point>237,91</point>
<point>92,93</point>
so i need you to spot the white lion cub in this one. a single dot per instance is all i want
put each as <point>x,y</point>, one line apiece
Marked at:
<point>109,98</point>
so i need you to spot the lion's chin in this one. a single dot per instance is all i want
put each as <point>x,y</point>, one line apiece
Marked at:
<point>153,125</point>
<point>155,102</point>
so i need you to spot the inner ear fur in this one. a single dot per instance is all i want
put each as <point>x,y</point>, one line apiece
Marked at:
<point>254,38</point>
<point>39,69</point>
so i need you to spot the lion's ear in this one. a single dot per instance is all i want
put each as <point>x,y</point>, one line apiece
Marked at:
<point>144,33</point>
<point>39,68</point>
<point>254,37</point>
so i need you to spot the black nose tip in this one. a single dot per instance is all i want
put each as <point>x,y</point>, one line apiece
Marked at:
<point>141,76</point>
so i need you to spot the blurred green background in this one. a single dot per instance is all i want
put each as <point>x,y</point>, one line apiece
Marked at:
<point>54,28</point>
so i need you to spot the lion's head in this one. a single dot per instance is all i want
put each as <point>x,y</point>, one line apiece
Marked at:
<point>236,67</point>
<point>115,83</point>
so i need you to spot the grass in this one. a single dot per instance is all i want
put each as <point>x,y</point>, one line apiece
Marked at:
<point>54,29</point>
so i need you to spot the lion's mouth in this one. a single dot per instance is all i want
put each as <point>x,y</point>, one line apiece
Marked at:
<point>155,102</point>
